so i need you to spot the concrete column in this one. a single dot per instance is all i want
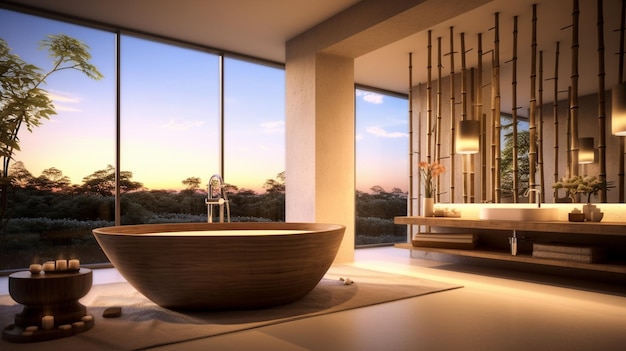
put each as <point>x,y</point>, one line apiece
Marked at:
<point>320,152</point>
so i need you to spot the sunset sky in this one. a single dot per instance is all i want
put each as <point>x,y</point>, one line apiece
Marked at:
<point>169,115</point>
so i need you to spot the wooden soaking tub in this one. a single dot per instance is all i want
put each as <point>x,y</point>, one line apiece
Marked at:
<point>222,265</point>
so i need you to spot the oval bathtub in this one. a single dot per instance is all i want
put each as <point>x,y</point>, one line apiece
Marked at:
<point>222,265</point>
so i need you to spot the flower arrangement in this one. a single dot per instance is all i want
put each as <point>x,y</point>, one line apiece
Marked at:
<point>430,171</point>
<point>583,185</point>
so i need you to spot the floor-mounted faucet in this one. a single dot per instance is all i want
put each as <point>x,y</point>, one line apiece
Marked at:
<point>216,196</point>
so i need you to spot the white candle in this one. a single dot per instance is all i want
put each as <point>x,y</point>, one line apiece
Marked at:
<point>73,264</point>
<point>35,268</point>
<point>47,322</point>
<point>87,319</point>
<point>48,266</point>
<point>61,265</point>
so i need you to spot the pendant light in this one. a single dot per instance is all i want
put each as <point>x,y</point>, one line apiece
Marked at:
<point>586,151</point>
<point>618,110</point>
<point>467,137</point>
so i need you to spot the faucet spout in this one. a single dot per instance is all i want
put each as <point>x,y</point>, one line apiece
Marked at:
<point>216,196</point>
<point>537,195</point>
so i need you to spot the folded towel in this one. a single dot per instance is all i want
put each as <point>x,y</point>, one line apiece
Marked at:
<point>566,248</point>
<point>582,258</point>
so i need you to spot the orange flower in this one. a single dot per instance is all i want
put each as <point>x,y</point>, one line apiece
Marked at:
<point>430,171</point>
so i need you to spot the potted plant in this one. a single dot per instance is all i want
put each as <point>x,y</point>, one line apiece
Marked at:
<point>585,185</point>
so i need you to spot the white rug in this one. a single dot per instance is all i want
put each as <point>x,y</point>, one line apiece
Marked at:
<point>144,324</point>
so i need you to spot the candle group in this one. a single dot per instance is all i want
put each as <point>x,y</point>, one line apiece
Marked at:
<point>48,331</point>
<point>55,266</point>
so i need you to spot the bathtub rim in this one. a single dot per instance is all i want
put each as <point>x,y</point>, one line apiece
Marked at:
<point>174,228</point>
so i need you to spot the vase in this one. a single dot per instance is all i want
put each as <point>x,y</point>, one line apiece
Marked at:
<point>587,210</point>
<point>428,206</point>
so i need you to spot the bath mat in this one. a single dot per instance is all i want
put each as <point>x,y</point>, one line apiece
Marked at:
<point>144,324</point>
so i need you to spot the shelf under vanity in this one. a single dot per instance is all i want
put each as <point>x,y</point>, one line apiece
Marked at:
<point>591,233</point>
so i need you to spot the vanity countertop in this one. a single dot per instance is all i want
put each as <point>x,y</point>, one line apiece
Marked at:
<point>599,228</point>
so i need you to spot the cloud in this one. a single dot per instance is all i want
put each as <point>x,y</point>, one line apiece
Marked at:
<point>181,124</point>
<point>63,97</point>
<point>273,127</point>
<point>380,132</point>
<point>370,97</point>
<point>65,108</point>
<point>62,101</point>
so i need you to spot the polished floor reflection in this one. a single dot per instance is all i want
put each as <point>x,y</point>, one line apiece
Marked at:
<point>496,310</point>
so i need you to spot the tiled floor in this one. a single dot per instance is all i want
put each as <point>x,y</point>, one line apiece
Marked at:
<point>496,310</point>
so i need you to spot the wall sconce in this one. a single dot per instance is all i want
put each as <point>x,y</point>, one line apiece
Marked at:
<point>467,137</point>
<point>586,151</point>
<point>618,110</point>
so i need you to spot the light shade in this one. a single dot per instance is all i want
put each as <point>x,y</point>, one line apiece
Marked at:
<point>618,110</point>
<point>467,136</point>
<point>586,151</point>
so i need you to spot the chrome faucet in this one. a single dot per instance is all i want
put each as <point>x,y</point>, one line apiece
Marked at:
<point>537,195</point>
<point>216,196</point>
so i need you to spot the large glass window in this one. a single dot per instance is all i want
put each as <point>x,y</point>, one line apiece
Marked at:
<point>62,178</point>
<point>47,211</point>
<point>170,130</point>
<point>254,139</point>
<point>381,167</point>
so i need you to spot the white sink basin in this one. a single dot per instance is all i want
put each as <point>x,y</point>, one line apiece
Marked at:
<point>520,213</point>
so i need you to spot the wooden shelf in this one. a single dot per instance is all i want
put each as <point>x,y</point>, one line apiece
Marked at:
<point>588,228</point>
<point>594,230</point>
<point>505,256</point>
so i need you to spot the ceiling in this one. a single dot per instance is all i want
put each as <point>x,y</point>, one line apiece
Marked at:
<point>261,28</point>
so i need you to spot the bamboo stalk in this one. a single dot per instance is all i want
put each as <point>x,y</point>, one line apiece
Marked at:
<point>438,127</point>
<point>515,189</point>
<point>410,209</point>
<point>465,158</point>
<point>532,123</point>
<point>540,155</point>
<point>601,102</point>
<point>622,143</point>
<point>574,91</point>
<point>496,110</point>
<point>493,129</point>
<point>429,105</point>
<point>471,158</point>
<point>479,115</point>
<point>555,109</point>
<point>452,119</point>
<point>568,128</point>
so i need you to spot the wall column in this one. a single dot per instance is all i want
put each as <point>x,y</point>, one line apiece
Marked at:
<point>320,158</point>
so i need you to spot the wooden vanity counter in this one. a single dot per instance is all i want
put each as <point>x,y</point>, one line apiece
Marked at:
<point>592,232</point>
<point>597,228</point>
